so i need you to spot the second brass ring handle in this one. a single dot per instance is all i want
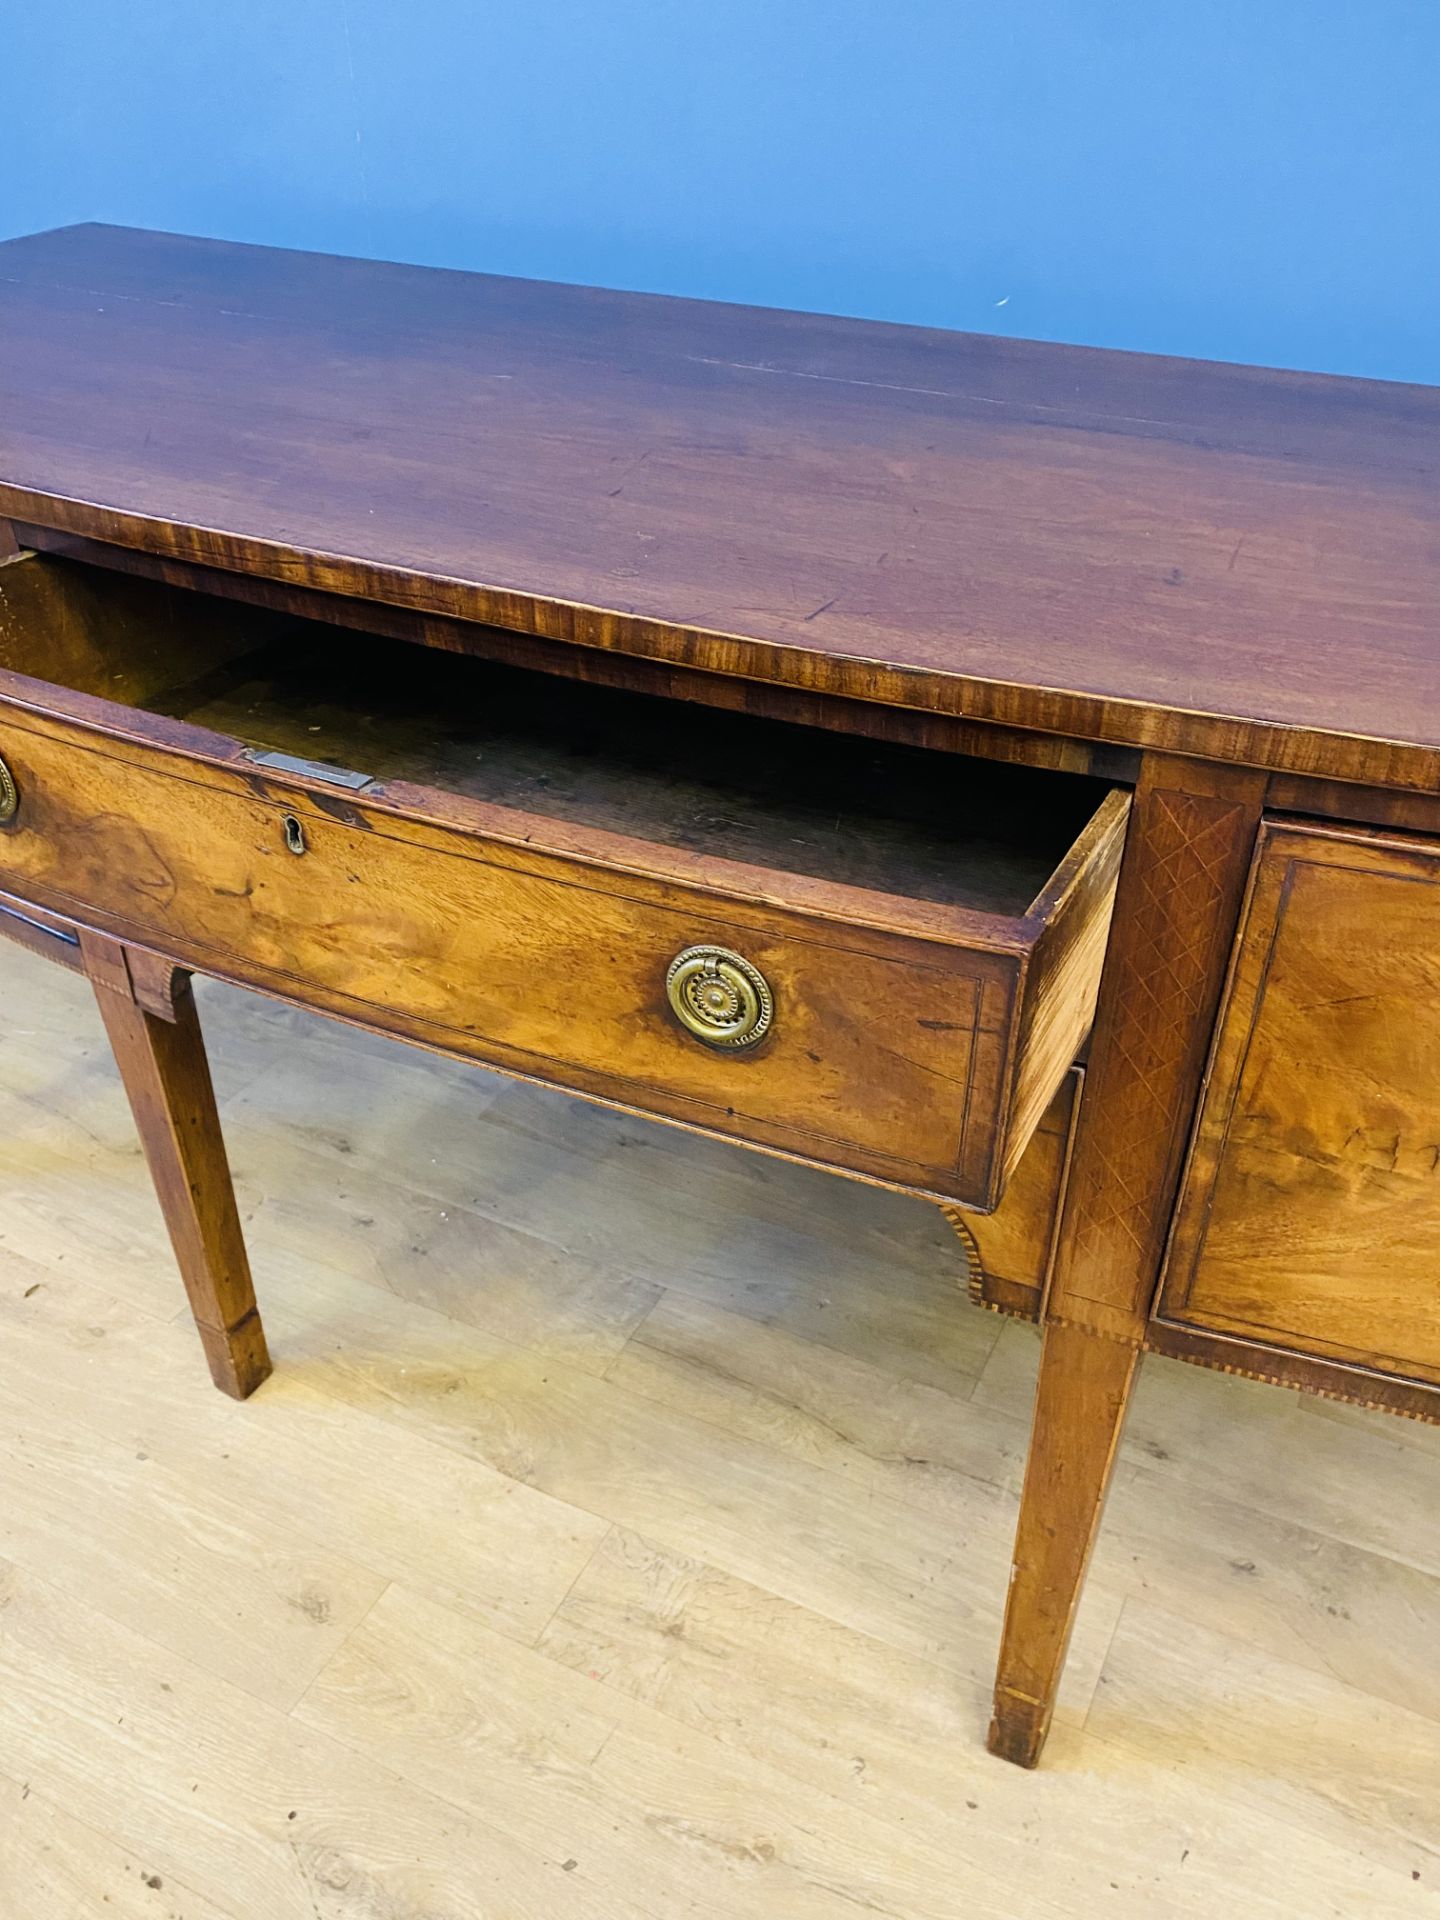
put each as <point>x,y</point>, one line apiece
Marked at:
<point>9,795</point>
<point>719,997</point>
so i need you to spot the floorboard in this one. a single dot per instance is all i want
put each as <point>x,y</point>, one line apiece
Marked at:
<point>623,1534</point>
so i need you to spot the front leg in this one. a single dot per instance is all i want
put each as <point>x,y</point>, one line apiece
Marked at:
<point>149,1012</point>
<point>1187,854</point>
<point>1080,1402</point>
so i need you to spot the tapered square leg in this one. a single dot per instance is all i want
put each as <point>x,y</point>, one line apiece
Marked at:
<point>161,1057</point>
<point>1182,879</point>
<point>1083,1391</point>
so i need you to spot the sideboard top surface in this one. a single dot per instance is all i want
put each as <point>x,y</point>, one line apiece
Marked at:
<point>1210,559</point>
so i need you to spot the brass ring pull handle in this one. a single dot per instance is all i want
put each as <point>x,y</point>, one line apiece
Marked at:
<point>9,795</point>
<point>719,997</point>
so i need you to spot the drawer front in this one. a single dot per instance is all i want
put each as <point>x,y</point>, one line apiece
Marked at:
<point>1310,1214</point>
<point>886,1055</point>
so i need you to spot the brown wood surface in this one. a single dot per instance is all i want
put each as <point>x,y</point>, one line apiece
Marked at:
<point>1062,980</point>
<point>1186,857</point>
<point>167,1079</point>
<point>725,786</point>
<point>1045,554</point>
<point>1309,1373</point>
<point>621,778</point>
<point>907,1044</point>
<point>1342,800</point>
<point>1080,1404</point>
<point>807,707</point>
<point>49,934</point>
<point>119,638</point>
<point>1011,1251</point>
<point>549,968</point>
<point>1310,1215</point>
<point>1182,879</point>
<point>1219,560</point>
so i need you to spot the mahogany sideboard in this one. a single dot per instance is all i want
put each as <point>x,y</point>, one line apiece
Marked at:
<point>817,733</point>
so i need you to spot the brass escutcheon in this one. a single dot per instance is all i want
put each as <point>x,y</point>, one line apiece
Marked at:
<point>9,796</point>
<point>719,997</point>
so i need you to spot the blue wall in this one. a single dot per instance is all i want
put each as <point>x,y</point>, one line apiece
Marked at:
<point>1243,179</point>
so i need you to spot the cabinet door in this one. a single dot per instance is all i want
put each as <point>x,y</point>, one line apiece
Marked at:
<point>1310,1213</point>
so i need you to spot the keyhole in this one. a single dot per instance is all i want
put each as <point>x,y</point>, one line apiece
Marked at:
<point>294,834</point>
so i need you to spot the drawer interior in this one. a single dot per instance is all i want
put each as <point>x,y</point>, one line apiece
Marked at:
<point>508,863</point>
<point>977,835</point>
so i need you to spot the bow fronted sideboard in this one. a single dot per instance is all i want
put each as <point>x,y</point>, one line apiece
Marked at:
<point>1006,772</point>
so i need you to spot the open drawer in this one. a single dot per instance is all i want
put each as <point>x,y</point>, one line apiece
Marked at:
<point>861,955</point>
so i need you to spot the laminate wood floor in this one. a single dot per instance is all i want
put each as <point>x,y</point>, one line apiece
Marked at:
<point>624,1534</point>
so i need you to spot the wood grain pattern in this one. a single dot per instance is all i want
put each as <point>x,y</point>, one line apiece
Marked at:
<point>1181,883</point>
<point>1011,1251</point>
<point>919,1034</point>
<point>162,1063</point>
<point>1080,1404</point>
<point>56,1864</point>
<point>1331,1382</point>
<point>115,637</point>
<point>1220,580</point>
<point>1343,800</point>
<point>599,666</point>
<point>1155,552</point>
<point>557,973</point>
<point>1265,1626</point>
<point>1311,1209</point>
<point>727,787</point>
<point>262,1605</point>
<point>48,934</point>
<point>1062,979</point>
